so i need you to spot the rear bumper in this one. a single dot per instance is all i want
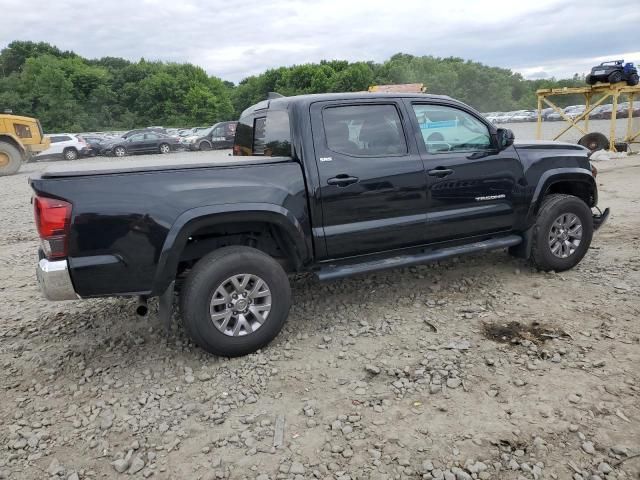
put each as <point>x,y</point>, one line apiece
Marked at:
<point>600,219</point>
<point>54,280</point>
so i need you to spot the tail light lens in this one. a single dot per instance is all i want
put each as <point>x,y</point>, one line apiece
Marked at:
<point>53,217</point>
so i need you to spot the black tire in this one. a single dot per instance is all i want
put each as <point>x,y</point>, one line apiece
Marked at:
<point>615,77</point>
<point>70,154</point>
<point>554,206</point>
<point>633,79</point>
<point>590,80</point>
<point>119,151</point>
<point>594,141</point>
<point>10,159</point>
<point>204,146</point>
<point>210,273</point>
<point>164,148</point>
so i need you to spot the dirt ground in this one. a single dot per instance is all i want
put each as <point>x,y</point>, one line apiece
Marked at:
<point>479,367</point>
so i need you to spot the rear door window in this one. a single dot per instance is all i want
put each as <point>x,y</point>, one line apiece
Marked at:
<point>364,130</point>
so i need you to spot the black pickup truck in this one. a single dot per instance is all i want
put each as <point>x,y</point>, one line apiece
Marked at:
<point>334,184</point>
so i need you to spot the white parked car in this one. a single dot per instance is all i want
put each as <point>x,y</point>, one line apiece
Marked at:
<point>65,144</point>
<point>523,116</point>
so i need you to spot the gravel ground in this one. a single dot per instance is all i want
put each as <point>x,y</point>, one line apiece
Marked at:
<point>477,367</point>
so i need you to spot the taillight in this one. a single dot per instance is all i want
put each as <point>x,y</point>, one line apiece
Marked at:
<point>52,219</point>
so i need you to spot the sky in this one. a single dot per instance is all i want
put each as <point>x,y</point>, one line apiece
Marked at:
<point>235,39</point>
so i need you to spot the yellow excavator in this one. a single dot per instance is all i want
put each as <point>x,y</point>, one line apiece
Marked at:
<point>20,138</point>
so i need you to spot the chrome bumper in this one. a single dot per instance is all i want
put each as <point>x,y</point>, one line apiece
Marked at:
<point>54,280</point>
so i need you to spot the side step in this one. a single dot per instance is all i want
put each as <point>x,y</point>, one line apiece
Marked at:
<point>332,272</point>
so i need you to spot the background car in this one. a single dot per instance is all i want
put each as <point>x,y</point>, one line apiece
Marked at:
<point>574,111</point>
<point>95,142</point>
<point>149,142</point>
<point>144,130</point>
<point>67,145</point>
<point>523,116</point>
<point>218,136</point>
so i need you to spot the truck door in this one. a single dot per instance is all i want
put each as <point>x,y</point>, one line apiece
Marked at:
<point>473,188</point>
<point>372,182</point>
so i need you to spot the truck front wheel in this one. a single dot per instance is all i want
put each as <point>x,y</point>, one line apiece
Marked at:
<point>10,159</point>
<point>562,234</point>
<point>235,301</point>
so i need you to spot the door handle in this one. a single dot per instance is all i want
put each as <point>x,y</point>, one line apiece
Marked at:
<point>342,180</point>
<point>440,172</point>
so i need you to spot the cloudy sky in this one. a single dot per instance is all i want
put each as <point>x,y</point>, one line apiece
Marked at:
<point>234,39</point>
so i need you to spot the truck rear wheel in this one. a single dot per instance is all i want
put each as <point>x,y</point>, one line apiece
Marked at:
<point>10,159</point>
<point>235,301</point>
<point>562,234</point>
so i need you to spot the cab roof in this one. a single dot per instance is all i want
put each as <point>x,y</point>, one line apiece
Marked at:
<point>283,103</point>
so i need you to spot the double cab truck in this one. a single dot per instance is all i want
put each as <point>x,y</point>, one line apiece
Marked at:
<point>335,184</point>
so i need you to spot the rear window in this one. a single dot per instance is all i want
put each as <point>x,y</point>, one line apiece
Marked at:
<point>263,133</point>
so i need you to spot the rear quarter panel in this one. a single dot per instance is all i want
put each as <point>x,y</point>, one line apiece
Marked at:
<point>120,222</point>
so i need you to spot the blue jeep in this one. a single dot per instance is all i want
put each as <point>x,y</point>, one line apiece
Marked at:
<point>613,72</point>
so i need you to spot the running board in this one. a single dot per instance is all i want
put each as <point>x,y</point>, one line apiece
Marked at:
<point>332,272</point>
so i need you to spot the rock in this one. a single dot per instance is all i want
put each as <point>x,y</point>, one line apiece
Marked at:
<point>604,468</point>
<point>120,465</point>
<point>55,468</point>
<point>427,466</point>
<point>588,448</point>
<point>136,465</point>
<point>73,476</point>
<point>573,398</point>
<point>453,382</point>
<point>372,369</point>
<point>477,467</point>
<point>297,468</point>
<point>460,474</point>
<point>461,345</point>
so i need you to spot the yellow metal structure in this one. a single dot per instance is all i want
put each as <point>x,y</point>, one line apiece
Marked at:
<point>604,90</point>
<point>20,137</point>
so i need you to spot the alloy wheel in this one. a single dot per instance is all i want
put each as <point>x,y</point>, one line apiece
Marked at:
<point>240,305</point>
<point>565,235</point>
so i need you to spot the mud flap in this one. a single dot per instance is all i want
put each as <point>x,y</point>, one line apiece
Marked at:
<point>165,306</point>
<point>523,250</point>
<point>600,218</point>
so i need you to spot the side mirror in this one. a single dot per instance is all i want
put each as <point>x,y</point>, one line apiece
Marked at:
<point>505,138</point>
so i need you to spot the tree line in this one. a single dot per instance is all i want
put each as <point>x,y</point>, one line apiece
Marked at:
<point>70,93</point>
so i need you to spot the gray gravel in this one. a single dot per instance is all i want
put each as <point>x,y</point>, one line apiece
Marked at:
<point>386,376</point>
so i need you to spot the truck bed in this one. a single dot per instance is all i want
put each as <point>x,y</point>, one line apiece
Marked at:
<point>156,163</point>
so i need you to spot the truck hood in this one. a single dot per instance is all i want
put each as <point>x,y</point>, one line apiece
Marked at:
<point>156,163</point>
<point>547,145</point>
